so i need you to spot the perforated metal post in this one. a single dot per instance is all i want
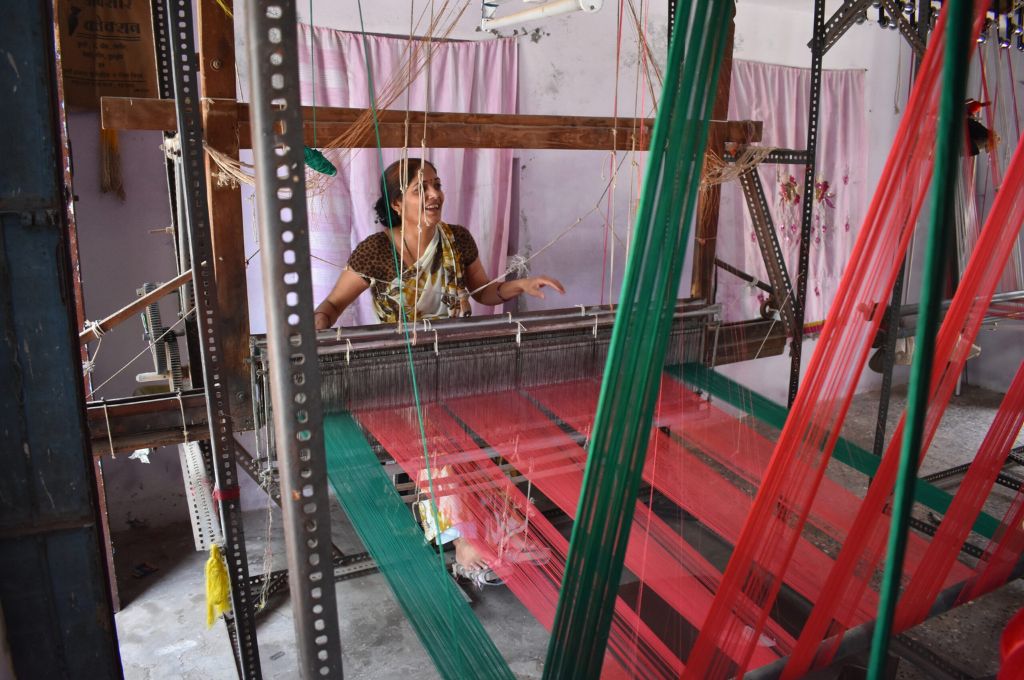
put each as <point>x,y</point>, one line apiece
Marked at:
<point>768,242</point>
<point>800,306</point>
<point>671,18</point>
<point>165,83</point>
<point>185,74</point>
<point>291,338</point>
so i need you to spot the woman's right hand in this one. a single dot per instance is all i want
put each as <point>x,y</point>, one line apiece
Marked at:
<point>344,293</point>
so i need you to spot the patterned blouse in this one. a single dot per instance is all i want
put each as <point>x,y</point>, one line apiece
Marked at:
<point>374,260</point>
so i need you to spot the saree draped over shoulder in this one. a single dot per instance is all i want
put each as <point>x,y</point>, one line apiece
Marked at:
<point>433,287</point>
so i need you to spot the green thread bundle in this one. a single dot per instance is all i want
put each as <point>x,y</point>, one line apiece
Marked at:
<point>449,630</point>
<point>317,161</point>
<point>636,355</point>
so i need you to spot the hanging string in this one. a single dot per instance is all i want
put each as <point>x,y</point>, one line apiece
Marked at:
<point>89,365</point>
<point>483,647</point>
<point>313,157</point>
<point>312,68</point>
<point>110,434</point>
<point>225,8</point>
<point>611,164</point>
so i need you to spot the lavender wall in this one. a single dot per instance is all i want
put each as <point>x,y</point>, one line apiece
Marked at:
<point>119,254</point>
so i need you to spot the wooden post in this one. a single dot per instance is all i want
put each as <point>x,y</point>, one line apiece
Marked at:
<point>709,200</point>
<point>217,78</point>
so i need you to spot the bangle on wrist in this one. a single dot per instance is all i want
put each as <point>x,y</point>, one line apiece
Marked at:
<point>497,290</point>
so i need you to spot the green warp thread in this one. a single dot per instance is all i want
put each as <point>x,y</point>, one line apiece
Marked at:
<point>449,630</point>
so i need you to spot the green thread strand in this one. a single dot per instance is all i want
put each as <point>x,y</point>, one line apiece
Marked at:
<point>940,228</point>
<point>396,258</point>
<point>447,627</point>
<point>629,388</point>
<point>464,627</point>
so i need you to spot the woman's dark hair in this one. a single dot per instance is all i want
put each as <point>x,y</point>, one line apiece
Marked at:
<point>392,181</point>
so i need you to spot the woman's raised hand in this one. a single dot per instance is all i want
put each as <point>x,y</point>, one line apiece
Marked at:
<point>535,286</point>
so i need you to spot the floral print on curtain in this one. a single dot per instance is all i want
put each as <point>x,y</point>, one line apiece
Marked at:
<point>777,96</point>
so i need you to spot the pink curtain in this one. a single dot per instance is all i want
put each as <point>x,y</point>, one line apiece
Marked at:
<point>778,96</point>
<point>467,77</point>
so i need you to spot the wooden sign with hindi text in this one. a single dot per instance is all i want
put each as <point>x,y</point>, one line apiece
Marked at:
<point>106,50</point>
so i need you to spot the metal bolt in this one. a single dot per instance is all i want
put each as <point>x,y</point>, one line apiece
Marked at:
<point>216,64</point>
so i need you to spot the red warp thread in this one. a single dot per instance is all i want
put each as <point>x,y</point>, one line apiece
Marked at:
<point>767,547</point>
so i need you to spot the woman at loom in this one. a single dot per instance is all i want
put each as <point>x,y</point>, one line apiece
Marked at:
<point>441,270</point>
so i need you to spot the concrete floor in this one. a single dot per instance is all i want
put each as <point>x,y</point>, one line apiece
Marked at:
<point>162,626</point>
<point>162,629</point>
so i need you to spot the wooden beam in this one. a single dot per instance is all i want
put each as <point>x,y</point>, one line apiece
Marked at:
<point>90,333</point>
<point>145,422</point>
<point>227,238</point>
<point>745,340</point>
<point>445,130</point>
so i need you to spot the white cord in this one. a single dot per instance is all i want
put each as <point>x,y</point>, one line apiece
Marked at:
<point>147,349</point>
<point>110,435</point>
<point>94,327</point>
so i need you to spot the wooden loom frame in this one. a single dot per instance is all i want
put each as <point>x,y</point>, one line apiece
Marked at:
<point>138,421</point>
<point>227,127</point>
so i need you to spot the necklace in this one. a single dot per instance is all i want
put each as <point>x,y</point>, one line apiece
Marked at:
<point>406,250</point>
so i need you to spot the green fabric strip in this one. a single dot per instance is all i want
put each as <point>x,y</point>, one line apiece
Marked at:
<point>636,355</point>
<point>448,629</point>
<point>773,414</point>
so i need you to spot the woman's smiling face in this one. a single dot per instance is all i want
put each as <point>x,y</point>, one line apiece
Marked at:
<point>421,203</point>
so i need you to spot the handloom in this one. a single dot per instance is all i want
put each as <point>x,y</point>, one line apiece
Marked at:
<point>755,567</point>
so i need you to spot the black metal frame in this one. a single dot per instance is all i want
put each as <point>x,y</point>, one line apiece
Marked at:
<point>184,70</point>
<point>771,253</point>
<point>294,373</point>
<point>817,55</point>
<point>165,85</point>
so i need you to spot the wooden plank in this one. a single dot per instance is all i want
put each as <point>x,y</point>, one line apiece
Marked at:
<point>445,130</point>
<point>143,422</point>
<point>744,340</point>
<point>227,238</point>
<point>706,234</point>
<point>91,333</point>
